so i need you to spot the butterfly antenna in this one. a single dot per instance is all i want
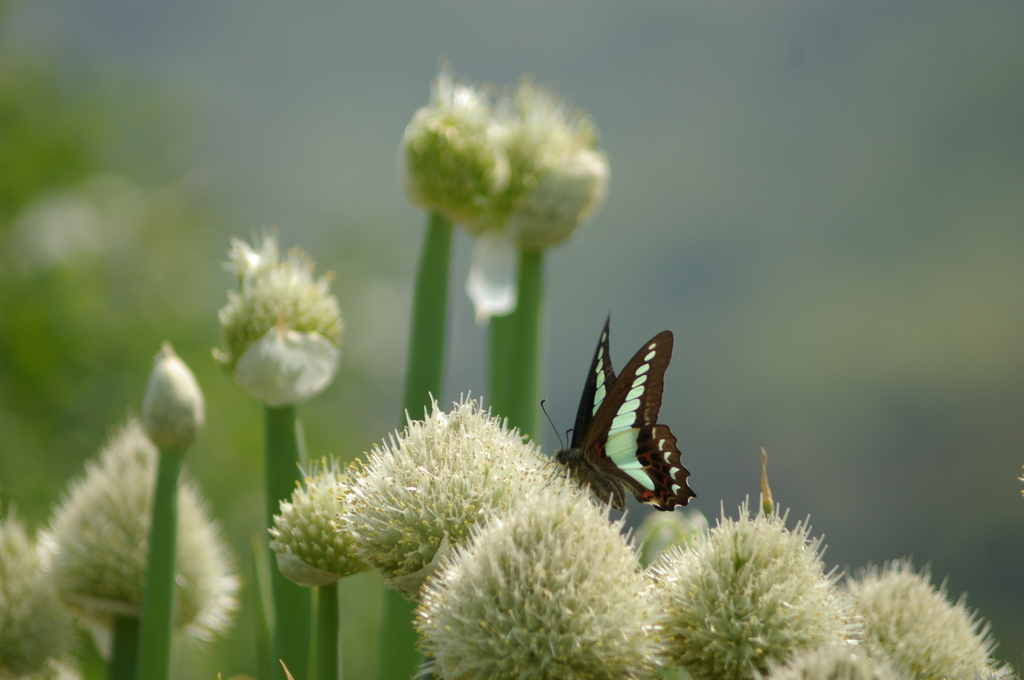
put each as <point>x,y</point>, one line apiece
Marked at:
<point>560,444</point>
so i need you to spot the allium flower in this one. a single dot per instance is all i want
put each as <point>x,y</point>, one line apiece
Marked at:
<point>281,331</point>
<point>36,631</point>
<point>425,491</point>
<point>661,530</point>
<point>557,181</point>
<point>172,409</point>
<point>549,589</point>
<point>912,622</point>
<point>98,542</point>
<point>746,594</point>
<point>558,176</point>
<point>453,163</point>
<point>311,548</point>
<point>834,663</point>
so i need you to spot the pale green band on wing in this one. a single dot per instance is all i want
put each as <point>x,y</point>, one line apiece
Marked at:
<point>621,449</point>
<point>626,415</point>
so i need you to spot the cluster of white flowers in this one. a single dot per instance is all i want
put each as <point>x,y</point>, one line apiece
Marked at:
<point>311,547</point>
<point>36,631</point>
<point>520,173</point>
<point>97,543</point>
<point>281,330</point>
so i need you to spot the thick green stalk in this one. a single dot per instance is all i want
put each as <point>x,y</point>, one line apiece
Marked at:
<point>502,338</point>
<point>125,654</point>
<point>425,366</point>
<point>327,662</point>
<point>293,604</point>
<point>157,627</point>
<point>523,387</point>
<point>398,658</point>
<point>265,661</point>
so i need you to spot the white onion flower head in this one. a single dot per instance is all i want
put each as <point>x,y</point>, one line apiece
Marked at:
<point>845,662</point>
<point>909,620</point>
<point>172,408</point>
<point>748,593</point>
<point>311,547</point>
<point>98,541</point>
<point>37,633</point>
<point>451,159</point>
<point>549,590</point>
<point>558,180</point>
<point>281,331</point>
<point>421,493</point>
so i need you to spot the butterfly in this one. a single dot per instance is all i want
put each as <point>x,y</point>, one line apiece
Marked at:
<point>617,442</point>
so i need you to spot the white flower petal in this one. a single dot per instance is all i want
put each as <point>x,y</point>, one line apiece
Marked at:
<point>285,366</point>
<point>491,284</point>
<point>302,573</point>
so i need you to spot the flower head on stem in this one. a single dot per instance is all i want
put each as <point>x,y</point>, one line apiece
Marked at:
<point>748,593</point>
<point>98,541</point>
<point>281,331</point>
<point>912,622</point>
<point>422,492</point>
<point>311,547</point>
<point>549,589</point>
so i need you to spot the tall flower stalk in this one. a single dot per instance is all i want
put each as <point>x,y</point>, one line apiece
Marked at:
<point>172,414</point>
<point>314,551</point>
<point>557,179</point>
<point>281,334</point>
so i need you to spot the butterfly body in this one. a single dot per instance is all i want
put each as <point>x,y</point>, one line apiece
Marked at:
<point>617,443</point>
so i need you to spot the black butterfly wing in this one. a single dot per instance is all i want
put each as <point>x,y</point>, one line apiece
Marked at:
<point>625,440</point>
<point>600,379</point>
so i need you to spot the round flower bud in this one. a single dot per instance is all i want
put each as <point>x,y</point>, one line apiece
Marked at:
<point>834,663</point>
<point>661,530</point>
<point>558,178</point>
<point>423,492</point>
<point>172,409</point>
<point>311,548</point>
<point>451,157</point>
<point>36,631</point>
<point>746,594</point>
<point>97,543</point>
<point>549,589</point>
<point>910,621</point>
<point>281,330</point>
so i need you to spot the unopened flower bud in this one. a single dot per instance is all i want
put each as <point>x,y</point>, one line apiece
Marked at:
<point>661,530</point>
<point>172,409</point>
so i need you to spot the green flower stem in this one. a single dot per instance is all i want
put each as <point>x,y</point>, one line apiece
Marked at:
<point>326,663</point>
<point>157,626</point>
<point>124,658</point>
<point>425,367</point>
<point>523,390</point>
<point>398,658</point>
<point>502,338</point>
<point>293,604</point>
<point>264,616</point>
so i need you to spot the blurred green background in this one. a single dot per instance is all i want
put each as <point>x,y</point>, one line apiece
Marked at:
<point>823,201</point>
